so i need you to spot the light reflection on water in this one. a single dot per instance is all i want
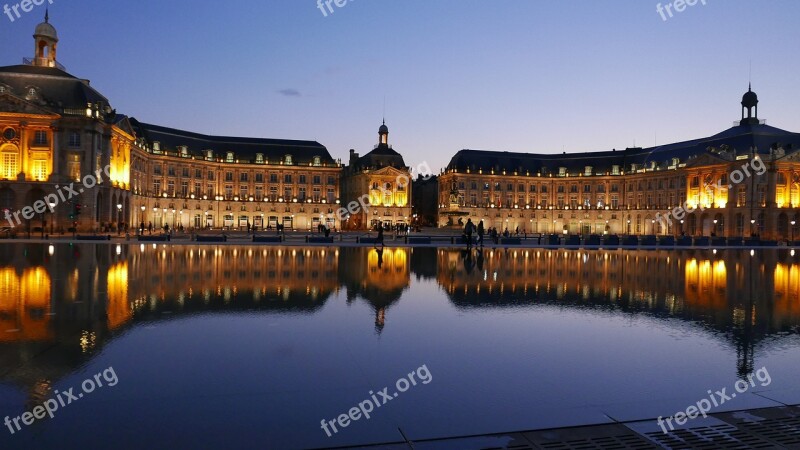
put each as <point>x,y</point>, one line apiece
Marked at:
<point>66,308</point>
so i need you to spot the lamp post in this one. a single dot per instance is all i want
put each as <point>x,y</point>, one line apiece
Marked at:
<point>752,227</point>
<point>714,232</point>
<point>119,218</point>
<point>52,215</point>
<point>219,199</point>
<point>792,231</point>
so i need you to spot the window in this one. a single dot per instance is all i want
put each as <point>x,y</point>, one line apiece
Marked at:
<point>156,169</point>
<point>259,178</point>
<point>40,170</point>
<point>228,176</point>
<point>287,178</point>
<point>273,178</point>
<point>74,166</point>
<point>243,177</point>
<point>288,160</point>
<point>331,180</point>
<point>185,172</point>
<point>317,161</point>
<point>587,171</point>
<point>198,173</point>
<point>210,175</point>
<point>229,157</point>
<point>302,195</point>
<point>171,171</point>
<point>259,158</point>
<point>614,170</point>
<point>10,167</point>
<point>317,179</point>
<point>74,139</point>
<point>303,179</point>
<point>40,138</point>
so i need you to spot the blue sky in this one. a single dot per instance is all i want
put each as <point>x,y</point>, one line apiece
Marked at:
<point>530,76</point>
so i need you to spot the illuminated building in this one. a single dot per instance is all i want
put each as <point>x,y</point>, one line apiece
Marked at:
<point>623,192</point>
<point>380,184</point>
<point>56,129</point>
<point>198,181</point>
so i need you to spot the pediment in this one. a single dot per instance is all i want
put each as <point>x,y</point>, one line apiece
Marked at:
<point>10,104</point>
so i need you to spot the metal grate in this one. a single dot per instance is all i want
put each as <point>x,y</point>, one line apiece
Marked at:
<point>723,437</point>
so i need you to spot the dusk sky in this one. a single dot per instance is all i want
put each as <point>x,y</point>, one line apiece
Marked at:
<point>527,76</point>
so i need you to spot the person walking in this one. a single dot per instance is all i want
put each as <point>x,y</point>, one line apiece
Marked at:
<point>379,239</point>
<point>468,229</point>
<point>481,232</point>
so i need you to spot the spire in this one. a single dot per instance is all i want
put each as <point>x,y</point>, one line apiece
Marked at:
<point>47,15</point>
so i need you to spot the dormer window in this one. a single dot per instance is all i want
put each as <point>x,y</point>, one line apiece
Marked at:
<point>184,151</point>
<point>562,171</point>
<point>156,146</point>
<point>587,171</point>
<point>634,167</point>
<point>229,157</point>
<point>259,158</point>
<point>615,170</point>
<point>209,155</point>
<point>287,160</point>
<point>317,161</point>
<point>652,165</point>
<point>2,89</point>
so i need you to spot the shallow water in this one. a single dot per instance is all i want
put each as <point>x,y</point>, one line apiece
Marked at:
<point>241,347</point>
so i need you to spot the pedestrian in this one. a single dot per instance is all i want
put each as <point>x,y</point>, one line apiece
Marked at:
<point>379,239</point>
<point>468,228</point>
<point>150,227</point>
<point>481,232</point>
<point>141,228</point>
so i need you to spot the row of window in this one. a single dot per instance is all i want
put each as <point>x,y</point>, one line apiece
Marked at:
<point>243,176</point>
<point>230,157</point>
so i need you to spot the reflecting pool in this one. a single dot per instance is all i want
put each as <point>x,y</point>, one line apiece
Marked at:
<point>253,347</point>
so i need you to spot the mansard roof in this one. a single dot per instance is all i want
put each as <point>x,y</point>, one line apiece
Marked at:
<point>244,148</point>
<point>56,90</point>
<point>741,139</point>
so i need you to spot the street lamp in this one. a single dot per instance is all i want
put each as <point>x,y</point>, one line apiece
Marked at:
<point>119,218</point>
<point>792,232</point>
<point>52,215</point>
<point>752,227</point>
<point>714,232</point>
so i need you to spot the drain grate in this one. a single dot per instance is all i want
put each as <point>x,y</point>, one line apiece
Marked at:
<point>602,437</point>
<point>781,431</point>
<point>724,437</point>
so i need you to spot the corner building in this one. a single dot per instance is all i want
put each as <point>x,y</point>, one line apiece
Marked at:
<point>627,191</point>
<point>55,129</point>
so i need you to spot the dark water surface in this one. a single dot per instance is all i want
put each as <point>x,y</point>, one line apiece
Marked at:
<point>237,347</point>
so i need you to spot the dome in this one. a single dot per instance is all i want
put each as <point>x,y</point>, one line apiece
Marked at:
<point>383,129</point>
<point>44,29</point>
<point>750,99</point>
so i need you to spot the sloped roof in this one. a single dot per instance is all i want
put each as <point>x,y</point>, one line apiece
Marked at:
<point>244,148</point>
<point>56,90</point>
<point>739,139</point>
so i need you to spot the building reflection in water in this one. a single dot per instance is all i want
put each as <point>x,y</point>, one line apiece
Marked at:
<point>81,296</point>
